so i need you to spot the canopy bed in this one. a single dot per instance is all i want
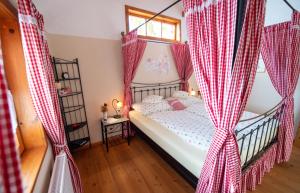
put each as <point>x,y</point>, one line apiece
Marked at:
<point>225,38</point>
<point>256,134</point>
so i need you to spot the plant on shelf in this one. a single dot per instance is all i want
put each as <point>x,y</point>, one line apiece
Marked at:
<point>104,110</point>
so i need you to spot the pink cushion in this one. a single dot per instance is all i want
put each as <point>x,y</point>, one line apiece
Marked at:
<point>176,104</point>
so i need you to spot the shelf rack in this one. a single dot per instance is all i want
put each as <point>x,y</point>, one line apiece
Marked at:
<point>72,102</point>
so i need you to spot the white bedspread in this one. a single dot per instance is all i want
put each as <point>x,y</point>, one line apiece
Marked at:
<point>193,126</point>
<point>193,129</point>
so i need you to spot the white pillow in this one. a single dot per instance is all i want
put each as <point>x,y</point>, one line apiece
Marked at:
<point>150,108</point>
<point>153,99</point>
<point>180,94</point>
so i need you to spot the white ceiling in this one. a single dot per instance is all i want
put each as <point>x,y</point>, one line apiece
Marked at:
<point>106,18</point>
<point>95,18</point>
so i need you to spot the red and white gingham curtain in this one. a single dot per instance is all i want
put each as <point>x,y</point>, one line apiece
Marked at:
<point>281,55</point>
<point>225,87</point>
<point>183,62</point>
<point>132,51</point>
<point>41,82</point>
<point>10,172</point>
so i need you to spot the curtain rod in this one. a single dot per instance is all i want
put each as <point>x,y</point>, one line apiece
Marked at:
<point>158,14</point>
<point>288,4</point>
<point>162,42</point>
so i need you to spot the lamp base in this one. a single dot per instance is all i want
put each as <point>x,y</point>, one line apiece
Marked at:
<point>117,116</point>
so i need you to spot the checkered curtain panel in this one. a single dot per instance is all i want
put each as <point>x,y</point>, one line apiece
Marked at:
<point>132,51</point>
<point>41,82</point>
<point>183,62</point>
<point>281,55</point>
<point>225,89</point>
<point>10,173</point>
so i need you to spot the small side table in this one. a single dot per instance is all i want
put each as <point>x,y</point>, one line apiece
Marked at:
<point>123,121</point>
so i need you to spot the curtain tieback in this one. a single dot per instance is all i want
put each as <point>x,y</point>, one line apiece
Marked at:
<point>183,81</point>
<point>289,98</point>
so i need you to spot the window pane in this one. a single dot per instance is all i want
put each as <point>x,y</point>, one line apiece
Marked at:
<point>178,32</point>
<point>135,22</point>
<point>168,31</point>
<point>154,29</point>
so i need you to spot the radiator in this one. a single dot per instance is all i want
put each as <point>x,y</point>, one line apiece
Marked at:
<point>61,179</point>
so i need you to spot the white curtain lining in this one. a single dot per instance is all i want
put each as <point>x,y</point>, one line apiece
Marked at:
<point>27,19</point>
<point>129,42</point>
<point>201,7</point>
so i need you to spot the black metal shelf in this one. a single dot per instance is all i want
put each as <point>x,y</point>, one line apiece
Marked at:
<point>72,108</point>
<point>78,143</point>
<point>65,79</point>
<point>75,126</point>
<point>71,94</point>
<point>72,104</point>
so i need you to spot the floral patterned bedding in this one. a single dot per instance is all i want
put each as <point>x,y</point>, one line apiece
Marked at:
<point>194,126</point>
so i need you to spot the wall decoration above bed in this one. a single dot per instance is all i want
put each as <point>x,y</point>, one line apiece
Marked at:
<point>159,65</point>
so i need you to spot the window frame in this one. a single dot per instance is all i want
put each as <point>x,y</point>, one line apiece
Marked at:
<point>137,12</point>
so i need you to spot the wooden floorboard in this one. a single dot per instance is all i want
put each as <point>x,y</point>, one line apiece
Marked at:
<point>138,169</point>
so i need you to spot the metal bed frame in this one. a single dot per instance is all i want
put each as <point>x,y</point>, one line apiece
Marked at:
<point>261,137</point>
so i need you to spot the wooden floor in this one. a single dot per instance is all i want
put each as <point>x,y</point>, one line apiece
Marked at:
<point>138,169</point>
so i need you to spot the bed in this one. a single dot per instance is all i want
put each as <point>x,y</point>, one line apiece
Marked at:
<point>183,137</point>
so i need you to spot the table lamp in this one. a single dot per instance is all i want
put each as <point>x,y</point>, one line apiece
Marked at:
<point>117,105</point>
<point>192,92</point>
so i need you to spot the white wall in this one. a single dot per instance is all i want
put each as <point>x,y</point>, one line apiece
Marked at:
<point>264,95</point>
<point>96,18</point>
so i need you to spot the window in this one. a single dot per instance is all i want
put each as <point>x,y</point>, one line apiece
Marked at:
<point>161,28</point>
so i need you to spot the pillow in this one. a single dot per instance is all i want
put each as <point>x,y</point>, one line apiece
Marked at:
<point>180,94</point>
<point>176,104</point>
<point>190,100</point>
<point>150,108</point>
<point>153,99</point>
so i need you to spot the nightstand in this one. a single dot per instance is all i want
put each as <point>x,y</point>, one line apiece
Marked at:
<point>112,126</point>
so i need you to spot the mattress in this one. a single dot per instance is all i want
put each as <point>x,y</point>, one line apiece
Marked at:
<point>189,156</point>
<point>186,135</point>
